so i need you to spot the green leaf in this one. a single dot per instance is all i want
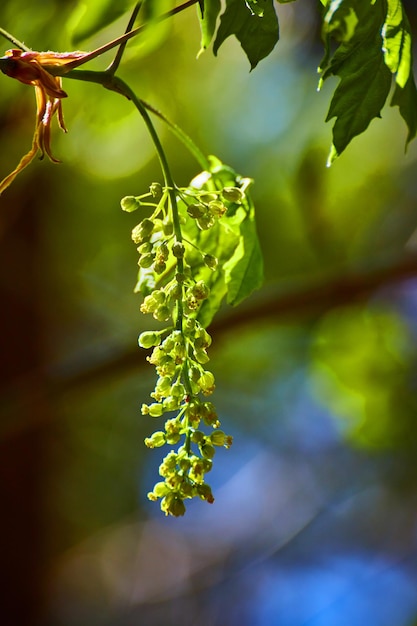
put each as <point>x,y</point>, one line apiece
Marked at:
<point>397,42</point>
<point>208,20</point>
<point>232,240</point>
<point>359,62</point>
<point>221,243</point>
<point>406,99</point>
<point>399,58</point>
<point>256,33</point>
<point>256,7</point>
<point>244,271</point>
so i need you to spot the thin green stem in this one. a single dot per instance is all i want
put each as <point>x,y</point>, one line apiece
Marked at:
<point>124,38</point>
<point>181,135</point>
<point>14,41</point>
<point>116,84</point>
<point>112,83</point>
<point>169,181</point>
<point>117,59</point>
<point>168,178</point>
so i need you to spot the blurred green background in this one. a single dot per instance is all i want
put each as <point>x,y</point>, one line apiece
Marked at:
<point>315,514</point>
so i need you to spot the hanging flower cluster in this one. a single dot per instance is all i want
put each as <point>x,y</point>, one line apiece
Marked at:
<point>171,278</point>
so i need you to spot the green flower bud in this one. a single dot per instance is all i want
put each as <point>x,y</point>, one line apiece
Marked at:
<point>173,439</point>
<point>172,426</point>
<point>137,235</point>
<point>149,304</point>
<point>194,373</point>
<point>160,267</point>
<point>193,413</point>
<point>179,352</point>
<point>219,438</point>
<point>173,505</point>
<point>199,467</point>
<point>146,260</point>
<point>156,190</point>
<point>167,367</point>
<point>207,465</point>
<point>205,222</point>
<point>162,252</point>
<point>206,382</point>
<point>156,440</point>
<point>209,414</point>
<point>191,303</point>
<point>178,390</point>
<point>184,464</point>
<point>171,404</point>
<point>203,339</point>
<point>168,343</point>
<point>175,291</point>
<point>162,314</point>
<point>207,450</point>
<point>159,296</point>
<point>169,464</point>
<point>196,210</point>
<point>178,249</point>
<point>144,248</point>
<point>208,197</point>
<point>201,356</point>
<point>160,490</point>
<point>157,357</point>
<point>194,407</point>
<point>187,490</point>
<point>148,339</point>
<point>173,433</point>
<point>130,203</point>
<point>197,472</point>
<point>204,491</point>
<point>176,336</point>
<point>174,481</point>
<point>200,290</point>
<point>163,386</point>
<point>198,436</point>
<point>233,194</point>
<point>210,261</point>
<point>146,226</point>
<point>155,409</point>
<point>190,325</point>
<point>217,208</point>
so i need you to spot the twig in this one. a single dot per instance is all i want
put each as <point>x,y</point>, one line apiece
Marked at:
<point>13,40</point>
<point>116,61</point>
<point>120,40</point>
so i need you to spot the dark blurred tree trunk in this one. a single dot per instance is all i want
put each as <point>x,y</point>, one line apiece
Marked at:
<point>22,448</point>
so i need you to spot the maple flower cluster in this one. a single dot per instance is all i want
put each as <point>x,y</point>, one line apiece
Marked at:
<point>173,295</point>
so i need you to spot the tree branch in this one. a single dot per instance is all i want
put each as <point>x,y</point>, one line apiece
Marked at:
<point>312,300</point>
<point>112,69</point>
<point>120,40</point>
